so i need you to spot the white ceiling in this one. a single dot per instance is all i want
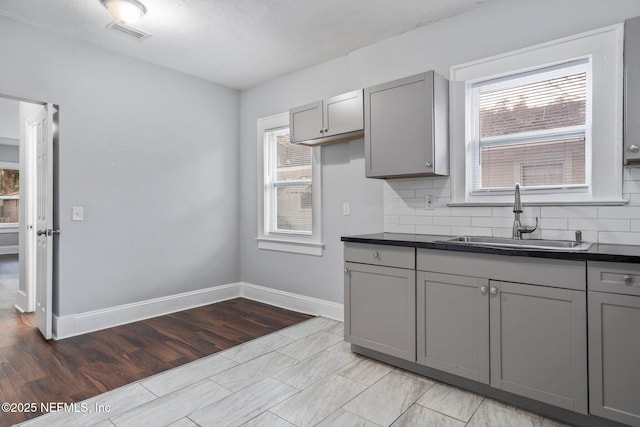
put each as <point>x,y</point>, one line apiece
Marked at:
<point>238,43</point>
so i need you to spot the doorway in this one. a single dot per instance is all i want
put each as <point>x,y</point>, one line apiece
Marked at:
<point>26,195</point>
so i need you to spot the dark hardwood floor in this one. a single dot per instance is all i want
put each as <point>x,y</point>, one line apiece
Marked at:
<point>74,369</point>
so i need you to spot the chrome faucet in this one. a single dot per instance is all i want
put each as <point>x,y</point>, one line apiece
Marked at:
<point>518,228</point>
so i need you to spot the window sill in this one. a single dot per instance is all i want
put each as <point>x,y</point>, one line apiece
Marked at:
<point>604,202</point>
<point>291,246</point>
<point>9,228</point>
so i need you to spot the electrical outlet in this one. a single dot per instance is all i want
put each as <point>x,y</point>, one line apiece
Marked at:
<point>77,213</point>
<point>346,209</point>
<point>428,202</point>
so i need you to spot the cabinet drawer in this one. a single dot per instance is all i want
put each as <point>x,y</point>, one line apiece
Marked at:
<point>392,256</point>
<point>613,277</point>
<point>556,273</point>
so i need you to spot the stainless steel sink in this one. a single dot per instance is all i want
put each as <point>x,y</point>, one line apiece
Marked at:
<point>540,244</point>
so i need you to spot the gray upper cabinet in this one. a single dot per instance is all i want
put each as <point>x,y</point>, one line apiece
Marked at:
<point>406,127</point>
<point>614,341</point>
<point>632,91</point>
<point>335,119</point>
<point>380,300</point>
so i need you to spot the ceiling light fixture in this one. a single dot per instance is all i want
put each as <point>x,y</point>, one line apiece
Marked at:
<point>125,11</point>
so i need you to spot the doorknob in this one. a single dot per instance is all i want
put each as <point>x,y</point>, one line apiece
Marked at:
<point>41,232</point>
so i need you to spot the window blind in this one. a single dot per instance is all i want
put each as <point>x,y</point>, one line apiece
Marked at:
<point>532,129</point>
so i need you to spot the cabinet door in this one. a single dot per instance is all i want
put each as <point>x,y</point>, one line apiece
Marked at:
<point>399,127</point>
<point>343,113</point>
<point>380,309</point>
<point>614,357</point>
<point>306,122</point>
<point>538,343</point>
<point>632,89</point>
<point>453,324</point>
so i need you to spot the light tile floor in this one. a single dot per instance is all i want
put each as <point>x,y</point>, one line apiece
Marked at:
<point>304,375</point>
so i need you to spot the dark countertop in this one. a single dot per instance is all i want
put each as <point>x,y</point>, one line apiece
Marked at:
<point>610,253</point>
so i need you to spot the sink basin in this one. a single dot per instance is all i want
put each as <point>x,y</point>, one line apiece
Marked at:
<point>540,244</point>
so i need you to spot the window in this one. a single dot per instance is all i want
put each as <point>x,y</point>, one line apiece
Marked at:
<point>532,128</point>
<point>288,181</point>
<point>547,117</point>
<point>289,190</point>
<point>9,195</point>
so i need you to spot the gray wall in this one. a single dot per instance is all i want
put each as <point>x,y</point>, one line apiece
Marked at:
<point>9,132</point>
<point>9,127</point>
<point>9,153</point>
<point>488,30</point>
<point>151,155</point>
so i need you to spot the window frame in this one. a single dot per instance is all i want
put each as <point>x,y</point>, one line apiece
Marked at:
<point>604,48</point>
<point>286,240</point>
<point>10,166</point>
<point>477,142</point>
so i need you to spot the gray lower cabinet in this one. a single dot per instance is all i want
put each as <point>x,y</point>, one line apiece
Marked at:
<point>380,300</point>
<point>614,356</point>
<point>538,343</point>
<point>453,324</point>
<point>526,339</point>
<point>380,309</point>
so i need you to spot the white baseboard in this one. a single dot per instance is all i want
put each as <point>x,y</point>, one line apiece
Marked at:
<point>77,324</point>
<point>292,301</point>
<point>82,323</point>
<point>6,250</point>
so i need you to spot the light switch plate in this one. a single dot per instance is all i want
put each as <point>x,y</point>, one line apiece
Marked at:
<point>77,213</point>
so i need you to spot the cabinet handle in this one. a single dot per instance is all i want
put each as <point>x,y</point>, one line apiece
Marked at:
<point>346,270</point>
<point>483,290</point>
<point>494,291</point>
<point>634,148</point>
<point>326,130</point>
<point>429,164</point>
<point>321,131</point>
<point>376,254</point>
<point>627,278</point>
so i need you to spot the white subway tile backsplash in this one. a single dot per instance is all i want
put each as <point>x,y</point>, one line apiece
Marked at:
<point>441,182</point>
<point>471,211</point>
<point>392,219</point>
<point>599,224</point>
<point>433,229</point>
<point>472,231</point>
<point>435,192</point>
<point>400,228</point>
<point>492,222</point>
<point>404,211</point>
<point>399,210</point>
<point>439,211</point>
<point>569,212</point>
<point>553,223</point>
<point>452,220</point>
<point>628,212</point>
<point>619,238</point>
<point>502,232</point>
<point>416,220</point>
<point>406,194</point>
<point>415,184</point>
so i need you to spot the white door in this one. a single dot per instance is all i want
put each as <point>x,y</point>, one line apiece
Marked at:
<point>44,220</point>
